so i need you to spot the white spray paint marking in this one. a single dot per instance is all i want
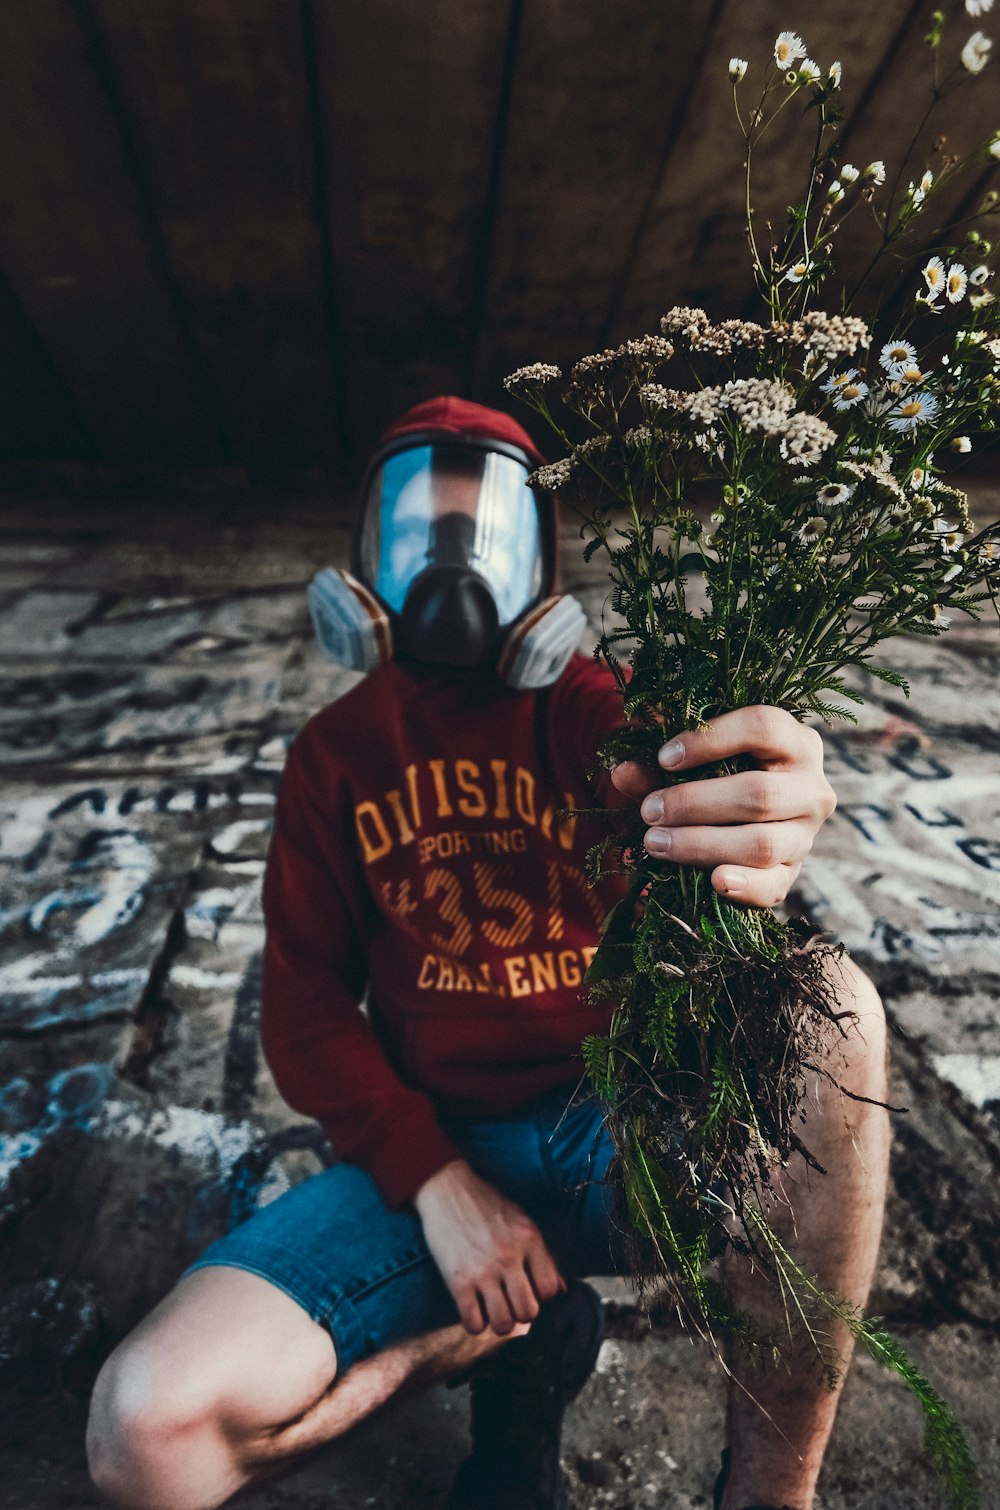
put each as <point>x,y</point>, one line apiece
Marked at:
<point>130,867</point>
<point>22,824</point>
<point>15,1149</point>
<point>976,1075</point>
<point>231,837</point>
<point>197,979</point>
<point>206,1138</point>
<point>19,977</point>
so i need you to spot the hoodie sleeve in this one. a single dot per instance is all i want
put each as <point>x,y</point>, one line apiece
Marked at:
<point>326,1059</point>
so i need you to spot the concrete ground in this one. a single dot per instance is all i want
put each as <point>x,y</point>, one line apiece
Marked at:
<point>153,666</point>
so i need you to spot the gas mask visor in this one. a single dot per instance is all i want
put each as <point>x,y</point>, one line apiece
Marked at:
<point>452,541</point>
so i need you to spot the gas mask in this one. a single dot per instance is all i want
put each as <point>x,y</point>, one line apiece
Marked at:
<point>452,561</point>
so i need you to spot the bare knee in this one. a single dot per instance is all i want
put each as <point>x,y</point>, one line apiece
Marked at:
<point>177,1404</point>
<point>863,1049</point>
<point>131,1426</point>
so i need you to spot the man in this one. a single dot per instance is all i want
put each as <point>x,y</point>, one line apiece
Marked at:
<point>422,856</point>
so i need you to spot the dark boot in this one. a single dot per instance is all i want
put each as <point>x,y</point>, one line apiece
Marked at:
<point>518,1396</point>
<point>722,1479</point>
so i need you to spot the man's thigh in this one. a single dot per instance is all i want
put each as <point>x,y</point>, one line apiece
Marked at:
<point>360,1271</point>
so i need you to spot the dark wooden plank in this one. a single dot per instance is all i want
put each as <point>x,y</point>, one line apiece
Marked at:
<point>694,245</point>
<point>76,246</point>
<point>594,108</point>
<point>217,95</point>
<point>409,103</point>
<point>37,415</point>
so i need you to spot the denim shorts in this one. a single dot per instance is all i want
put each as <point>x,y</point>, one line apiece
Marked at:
<point>364,1272</point>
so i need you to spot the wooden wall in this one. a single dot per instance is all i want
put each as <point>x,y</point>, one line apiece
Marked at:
<point>248,232</point>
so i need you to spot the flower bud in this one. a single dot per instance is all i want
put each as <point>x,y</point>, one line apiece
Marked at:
<point>737,68</point>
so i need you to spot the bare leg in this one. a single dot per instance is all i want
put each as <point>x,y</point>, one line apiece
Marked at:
<point>833,1224</point>
<point>227,1381</point>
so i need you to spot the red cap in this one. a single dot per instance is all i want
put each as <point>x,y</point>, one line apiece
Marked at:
<point>457,416</point>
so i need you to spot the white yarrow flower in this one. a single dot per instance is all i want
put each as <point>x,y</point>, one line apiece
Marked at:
<point>957,281</point>
<point>788,48</point>
<point>849,173</point>
<point>976,52</point>
<point>934,277</point>
<point>737,69</point>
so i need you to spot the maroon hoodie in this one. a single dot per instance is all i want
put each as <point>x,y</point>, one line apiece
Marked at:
<point>419,853</point>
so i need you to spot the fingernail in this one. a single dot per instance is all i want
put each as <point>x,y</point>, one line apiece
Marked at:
<point>652,807</point>
<point>658,840</point>
<point>671,754</point>
<point>734,880</point>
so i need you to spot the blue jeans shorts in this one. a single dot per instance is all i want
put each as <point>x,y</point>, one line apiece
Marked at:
<point>364,1272</point>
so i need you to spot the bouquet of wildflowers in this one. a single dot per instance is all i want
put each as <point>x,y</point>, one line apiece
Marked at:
<point>819,436</point>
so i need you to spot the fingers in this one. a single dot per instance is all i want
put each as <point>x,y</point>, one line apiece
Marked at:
<point>761,846</point>
<point>757,888</point>
<point>749,797</point>
<point>772,735</point>
<point>544,1277</point>
<point>496,1308</point>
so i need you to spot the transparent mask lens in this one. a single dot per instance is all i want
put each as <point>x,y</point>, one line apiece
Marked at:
<point>453,506</point>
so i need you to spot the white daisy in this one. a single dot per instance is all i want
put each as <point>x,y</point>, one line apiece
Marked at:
<point>876,171</point>
<point>809,71</point>
<point>788,48</point>
<point>976,52</point>
<point>836,191</point>
<point>953,571</point>
<point>834,494</point>
<point>919,194</point>
<point>978,300</point>
<point>910,375</point>
<point>796,273</point>
<point>896,355</point>
<point>833,74</point>
<point>961,443</point>
<point>850,394</point>
<point>737,68</point>
<point>849,173</point>
<point>913,411</point>
<point>813,529</point>
<point>957,281</point>
<point>979,274</point>
<point>938,618</point>
<point>978,7</point>
<point>934,277</point>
